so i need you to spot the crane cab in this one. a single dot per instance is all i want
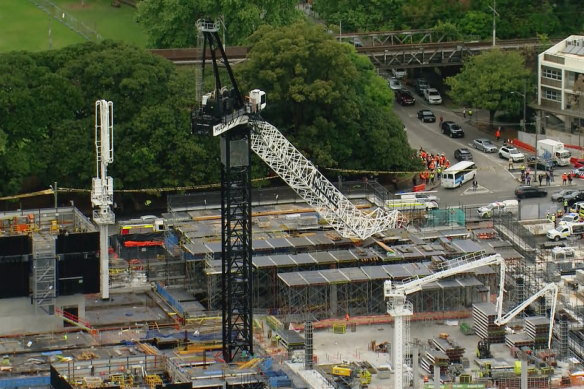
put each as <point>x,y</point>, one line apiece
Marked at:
<point>257,99</point>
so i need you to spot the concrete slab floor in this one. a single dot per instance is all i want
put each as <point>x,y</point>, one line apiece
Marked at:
<point>333,348</point>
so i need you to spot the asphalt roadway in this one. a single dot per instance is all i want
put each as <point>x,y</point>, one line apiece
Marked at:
<point>496,182</point>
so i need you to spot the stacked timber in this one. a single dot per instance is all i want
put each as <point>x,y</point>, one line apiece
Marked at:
<point>537,328</point>
<point>434,357</point>
<point>449,347</point>
<point>518,340</point>
<point>483,317</point>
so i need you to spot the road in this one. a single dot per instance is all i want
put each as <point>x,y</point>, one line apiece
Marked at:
<point>496,182</point>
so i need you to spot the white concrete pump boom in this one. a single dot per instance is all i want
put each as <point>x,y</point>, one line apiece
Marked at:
<point>399,308</point>
<point>102,188</point>
<point>453,267</point>
<point>305,179</point>
<point>550,289</point>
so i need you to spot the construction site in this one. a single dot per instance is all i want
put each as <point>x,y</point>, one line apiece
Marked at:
<point>321,316</point>
<point>306,285</point>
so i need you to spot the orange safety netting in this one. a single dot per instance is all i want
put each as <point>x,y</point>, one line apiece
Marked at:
<point>133,243</point>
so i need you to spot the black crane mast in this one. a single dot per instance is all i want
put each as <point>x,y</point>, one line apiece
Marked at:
<point>225,113</point>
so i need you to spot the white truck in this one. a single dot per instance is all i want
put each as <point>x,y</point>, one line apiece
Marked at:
<point>552,150</point>
<point>565,230</point>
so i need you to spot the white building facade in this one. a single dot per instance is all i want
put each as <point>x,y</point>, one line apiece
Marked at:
<point>561,88</point>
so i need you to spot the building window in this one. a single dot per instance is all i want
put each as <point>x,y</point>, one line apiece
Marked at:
<point>554,74</point>
<point>551,94</point>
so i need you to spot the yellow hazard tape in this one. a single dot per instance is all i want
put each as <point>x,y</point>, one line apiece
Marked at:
<point>25,195</point>
<point>149,190</point>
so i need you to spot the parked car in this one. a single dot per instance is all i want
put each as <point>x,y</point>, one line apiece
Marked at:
<point>426,116</point>
<point>432,96</point>
<point>542,164</point>
<point>484,145</point>
<point>575,198</point>
<point>525,191</point>
<point>564,194</point>
<point>499,208</point>
<point>404,97</point>
<point>356,41</point>
<point>395,84</point>
<point>399,73</point>
<point>462,154</point>
<point>421,85</point>
<point>511,153</point>
<point>571,217</point>
<point>452,129</point>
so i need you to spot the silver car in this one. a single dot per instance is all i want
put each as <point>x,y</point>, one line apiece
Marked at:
<point>485,145</point>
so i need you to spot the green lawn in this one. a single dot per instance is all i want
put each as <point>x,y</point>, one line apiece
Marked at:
<point>110,22</point>
<point>23,26</point>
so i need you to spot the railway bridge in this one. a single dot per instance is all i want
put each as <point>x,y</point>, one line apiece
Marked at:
<point>389,49</point>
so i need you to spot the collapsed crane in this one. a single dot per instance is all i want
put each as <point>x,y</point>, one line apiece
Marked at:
<point>237,121</point>
<point>400,309</point>
<point>552,291</point>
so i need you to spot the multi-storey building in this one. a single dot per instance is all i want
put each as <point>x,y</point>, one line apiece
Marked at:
<point>561,84</point>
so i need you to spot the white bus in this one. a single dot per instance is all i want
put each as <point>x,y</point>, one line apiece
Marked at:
<point>458,174</point>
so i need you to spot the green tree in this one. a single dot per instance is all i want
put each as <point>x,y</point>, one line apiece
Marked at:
<point>171,23</point>
<point>326,99</point>
<point>488,80</point>
<point>365,15</point>
<point>430,13</point>
<point>47,105</point>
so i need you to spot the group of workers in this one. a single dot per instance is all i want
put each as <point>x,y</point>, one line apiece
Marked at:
<point>435,165</point>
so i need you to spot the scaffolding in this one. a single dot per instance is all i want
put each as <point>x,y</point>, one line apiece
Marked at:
<point>359,291</point>
<point>44,271</point>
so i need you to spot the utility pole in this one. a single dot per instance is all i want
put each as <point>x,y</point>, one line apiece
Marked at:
<point>525,106</point>
<point>495,14</point>
<point>537,127</point>
<point>55,197</point>
<point>55,193</point>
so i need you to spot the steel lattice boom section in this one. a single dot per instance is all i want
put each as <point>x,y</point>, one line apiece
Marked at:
<point>302,176</point>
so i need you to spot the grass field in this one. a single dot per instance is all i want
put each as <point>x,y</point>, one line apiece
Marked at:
<point>23,26</point>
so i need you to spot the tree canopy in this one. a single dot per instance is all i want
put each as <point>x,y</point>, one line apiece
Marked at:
<point>472,18</point>
<point>47,119</point>
<point>326,99</point>
<point>489,80</point>
<point>171,23</point>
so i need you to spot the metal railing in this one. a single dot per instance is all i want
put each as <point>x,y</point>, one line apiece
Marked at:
<point>63,17</point>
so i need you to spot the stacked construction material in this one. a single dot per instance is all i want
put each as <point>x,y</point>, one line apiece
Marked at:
<point>518,340</point>
<point>483,317</point>
<point>537,328</point>
<point>449,347</point>
<point>434,357</point>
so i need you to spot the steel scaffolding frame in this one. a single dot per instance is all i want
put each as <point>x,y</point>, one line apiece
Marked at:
<point>44,271</point>
<point>366,298</point>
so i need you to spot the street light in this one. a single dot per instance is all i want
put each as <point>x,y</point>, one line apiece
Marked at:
<point>524,107</point>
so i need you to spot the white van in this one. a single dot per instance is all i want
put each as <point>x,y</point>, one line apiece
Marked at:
<point>410,204</point>
<point>420,196</point>
<point>565,230</point>
<point>499,208</point>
